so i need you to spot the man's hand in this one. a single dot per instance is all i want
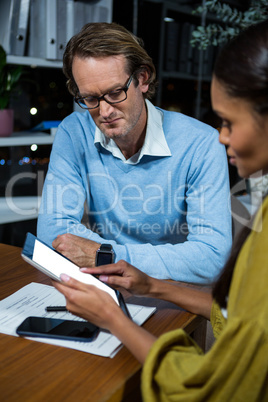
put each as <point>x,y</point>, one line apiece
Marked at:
<point>80,251</point>
<point>124,275</point>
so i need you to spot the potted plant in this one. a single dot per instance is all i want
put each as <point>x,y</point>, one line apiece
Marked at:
<point>9,77</point>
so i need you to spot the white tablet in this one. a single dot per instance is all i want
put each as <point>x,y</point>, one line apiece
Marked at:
<point>53,264</point>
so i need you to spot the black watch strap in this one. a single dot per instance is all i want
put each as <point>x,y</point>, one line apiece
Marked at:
<point>106,247</point>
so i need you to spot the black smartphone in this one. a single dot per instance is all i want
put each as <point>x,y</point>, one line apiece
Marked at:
<point>44,327</point>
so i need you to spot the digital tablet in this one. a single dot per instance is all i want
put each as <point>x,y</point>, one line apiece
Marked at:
<point>53,264</point>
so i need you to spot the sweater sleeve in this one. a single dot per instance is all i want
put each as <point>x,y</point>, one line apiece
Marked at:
<point>217,320</point>
<point>234,369</point>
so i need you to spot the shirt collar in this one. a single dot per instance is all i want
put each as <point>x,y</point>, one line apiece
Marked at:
<point>155,143</point>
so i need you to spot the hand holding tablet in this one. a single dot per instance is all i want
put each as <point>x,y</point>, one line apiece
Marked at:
<point>53,264</point>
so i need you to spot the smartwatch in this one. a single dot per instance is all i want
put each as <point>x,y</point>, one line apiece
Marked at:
<point>104,255</point>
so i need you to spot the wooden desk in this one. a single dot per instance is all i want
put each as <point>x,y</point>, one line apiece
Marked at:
<point>32,371</point>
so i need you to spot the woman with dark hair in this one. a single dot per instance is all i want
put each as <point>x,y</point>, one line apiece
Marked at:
<point>236,367</point>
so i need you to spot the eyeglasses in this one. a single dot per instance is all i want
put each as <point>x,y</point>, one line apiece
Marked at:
<point>116,96</point>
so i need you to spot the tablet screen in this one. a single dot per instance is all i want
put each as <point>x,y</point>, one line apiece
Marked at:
<point>53,264</point>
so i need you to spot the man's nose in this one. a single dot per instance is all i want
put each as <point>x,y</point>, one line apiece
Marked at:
<point>105,109</point>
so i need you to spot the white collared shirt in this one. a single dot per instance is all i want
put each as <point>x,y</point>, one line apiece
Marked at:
<point>154,144</point>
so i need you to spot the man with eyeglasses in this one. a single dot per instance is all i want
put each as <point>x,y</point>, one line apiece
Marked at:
<point>154,183</point>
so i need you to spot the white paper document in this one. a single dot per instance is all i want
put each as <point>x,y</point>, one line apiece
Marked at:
<point>32,299</point>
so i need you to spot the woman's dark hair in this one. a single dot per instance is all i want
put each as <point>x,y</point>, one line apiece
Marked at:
<point>242,69</point>
<point>242,66</point>
<point>103,39</point>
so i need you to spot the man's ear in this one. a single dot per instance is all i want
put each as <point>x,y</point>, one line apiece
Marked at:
<point>143,78</point>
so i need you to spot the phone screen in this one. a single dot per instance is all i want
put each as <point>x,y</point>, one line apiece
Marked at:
<point>82,331</point>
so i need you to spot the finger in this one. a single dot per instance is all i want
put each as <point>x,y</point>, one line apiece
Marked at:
<point>70,282</point>
<point>56,242</point>
<point>71,287</point>
<point>117,281</point>
<point>120,268</point>
<point>104,269</point>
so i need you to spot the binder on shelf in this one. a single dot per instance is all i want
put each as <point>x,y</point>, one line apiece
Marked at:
<point>37,29</point>
<point>61,27</point>
<point>190,55</point>
<point>43,30</point>
<point>100,12</point>
<point>78,13</point>
<point>69,19</point>
<point>5,24</point>
<point>196,60</point>
<point>51,30</point>
<point>14,17</point>
<point>53,22</point>
<point>172,45</point>
<point>183,64</point>
<point>19,27</point>
<point>208,61</point>
<point>84,12</point>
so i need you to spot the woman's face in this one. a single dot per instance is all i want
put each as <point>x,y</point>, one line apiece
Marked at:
<point>243,132</point>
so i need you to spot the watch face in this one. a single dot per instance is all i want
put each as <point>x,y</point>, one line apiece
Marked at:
<point>104,258</point>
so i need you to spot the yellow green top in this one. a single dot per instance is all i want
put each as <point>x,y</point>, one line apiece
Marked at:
<point>236,367</point>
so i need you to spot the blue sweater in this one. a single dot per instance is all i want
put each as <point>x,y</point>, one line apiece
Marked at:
<point>169,216</point>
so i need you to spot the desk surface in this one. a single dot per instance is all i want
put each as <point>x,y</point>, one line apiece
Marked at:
<point>32,371</point>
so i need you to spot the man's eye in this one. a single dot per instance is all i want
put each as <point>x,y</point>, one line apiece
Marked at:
<point>89,99</point>
<point>115,93</point>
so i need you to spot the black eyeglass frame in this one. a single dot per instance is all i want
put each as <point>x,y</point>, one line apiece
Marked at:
<point>102,97</point>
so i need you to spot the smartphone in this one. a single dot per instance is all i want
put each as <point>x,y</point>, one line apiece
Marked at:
<point>82,331</point>
<point>53,264</point>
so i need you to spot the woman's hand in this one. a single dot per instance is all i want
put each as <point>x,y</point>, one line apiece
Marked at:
<point>89,302</point>
<point>98,307</point>
<point>123,275</point>
<point>138,283</point>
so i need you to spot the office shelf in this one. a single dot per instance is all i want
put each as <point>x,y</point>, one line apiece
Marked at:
<point>26,138</point>
<point>17,209</point>
<point>33,61</point>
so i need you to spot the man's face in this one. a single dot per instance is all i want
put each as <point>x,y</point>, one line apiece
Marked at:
<point>98,76</point>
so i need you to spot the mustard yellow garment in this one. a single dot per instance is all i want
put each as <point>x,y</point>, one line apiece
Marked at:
<point>236,367</point>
